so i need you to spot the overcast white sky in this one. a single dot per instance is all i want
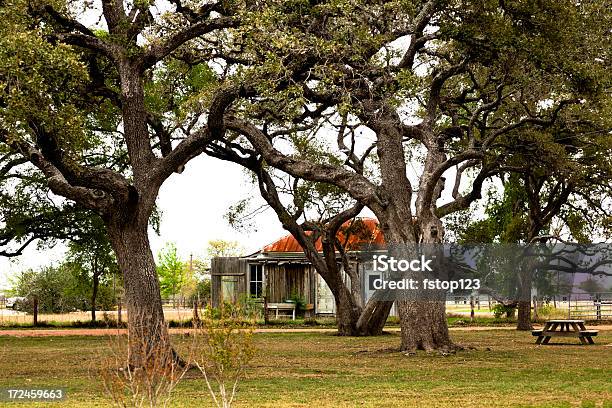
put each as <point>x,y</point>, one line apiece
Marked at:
<point>193,205</point>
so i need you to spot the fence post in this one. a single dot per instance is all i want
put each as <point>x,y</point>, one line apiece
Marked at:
<point>598,310</point>
<point>35,311</point>
<point>196,304</point>
<point>265,299</point>
<point>471,308</point>
<point>535,309</point>
<point>598,306</point>
<point>119,318</point>
<point>569,306</point>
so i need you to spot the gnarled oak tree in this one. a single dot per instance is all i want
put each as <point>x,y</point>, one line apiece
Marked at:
<point>104,115</point>
<point>436,85</point>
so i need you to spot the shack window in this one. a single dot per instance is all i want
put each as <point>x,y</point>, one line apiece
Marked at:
<point>372,281</point>
<point>256,280</point>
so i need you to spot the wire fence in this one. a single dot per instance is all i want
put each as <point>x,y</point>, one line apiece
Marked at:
<point>173,312</point>
<point>596,306</point>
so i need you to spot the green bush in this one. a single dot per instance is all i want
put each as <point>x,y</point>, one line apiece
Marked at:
<point>251,306</point>
<point>499,310</point>
<point>300,303</point>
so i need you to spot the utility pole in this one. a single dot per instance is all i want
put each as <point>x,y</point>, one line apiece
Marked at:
<point>196,298</point>
<point>35,311</point>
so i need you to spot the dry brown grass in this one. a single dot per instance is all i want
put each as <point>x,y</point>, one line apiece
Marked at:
<point>321,370</point>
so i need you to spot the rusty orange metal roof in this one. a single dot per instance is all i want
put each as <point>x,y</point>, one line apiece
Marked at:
<point>360,231</point>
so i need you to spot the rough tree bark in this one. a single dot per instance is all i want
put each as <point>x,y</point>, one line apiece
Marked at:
<point>423,319</point>
<point>347,311</point>
<point>523,321</point>
<point>525,278</point>
<point>147,330</point>
<point>373,317</point>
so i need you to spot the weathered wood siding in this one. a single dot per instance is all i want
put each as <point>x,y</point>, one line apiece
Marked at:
<point>280,281</point>
<point>284,280</point>
<point>228,268</point>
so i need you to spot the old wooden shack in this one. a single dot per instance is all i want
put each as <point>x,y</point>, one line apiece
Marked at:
<point>280,271</point>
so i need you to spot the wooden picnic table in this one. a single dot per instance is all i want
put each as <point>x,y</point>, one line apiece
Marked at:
<point>566,328</point>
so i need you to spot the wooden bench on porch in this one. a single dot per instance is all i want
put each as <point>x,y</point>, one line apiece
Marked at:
<point>282,307</point>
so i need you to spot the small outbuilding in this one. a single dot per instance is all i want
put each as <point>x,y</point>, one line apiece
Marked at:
<point>280,271</point>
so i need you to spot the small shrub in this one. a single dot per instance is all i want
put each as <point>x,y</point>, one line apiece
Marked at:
<point>500,310</point>
<point>223,349</point>
<point>251,306</point>
<point>138,374</point>
<point>393,320</point>
<point>550,312</point>
<point>300,303</point>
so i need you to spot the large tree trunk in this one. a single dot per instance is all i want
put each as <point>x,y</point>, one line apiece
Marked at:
<point>373,317</point>
<point>94,294</point>
<point>347,311</point>
<point>147,330</point>
<point>524,316</point>
<point>424,326</point>
<point>128,230</point>
<point>524,301</point>
<point>524,296</point>
<point>423,320</point>
<point>423,323</point>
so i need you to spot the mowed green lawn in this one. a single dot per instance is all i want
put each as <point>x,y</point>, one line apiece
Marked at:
<point>322,370</point>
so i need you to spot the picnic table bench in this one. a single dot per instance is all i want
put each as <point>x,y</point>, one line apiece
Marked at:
<point>567,328</point>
